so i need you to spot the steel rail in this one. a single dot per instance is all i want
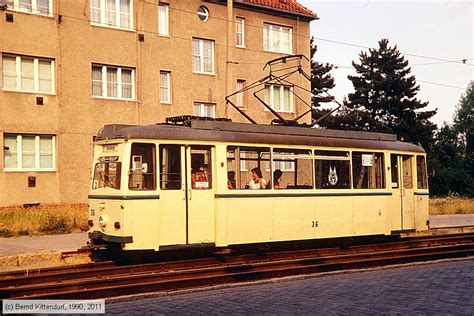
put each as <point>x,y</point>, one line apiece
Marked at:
<point>106,286</point>
<point>100,269</point>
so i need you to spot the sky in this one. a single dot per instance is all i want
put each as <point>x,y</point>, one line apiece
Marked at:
<point>441,30</point>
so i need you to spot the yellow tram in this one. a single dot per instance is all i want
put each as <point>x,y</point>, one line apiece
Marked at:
<point>168,186</point>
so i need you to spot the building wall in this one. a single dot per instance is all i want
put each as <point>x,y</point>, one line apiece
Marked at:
<point>74,116</point>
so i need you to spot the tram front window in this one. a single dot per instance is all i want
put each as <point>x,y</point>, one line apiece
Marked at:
<point>107,173</point>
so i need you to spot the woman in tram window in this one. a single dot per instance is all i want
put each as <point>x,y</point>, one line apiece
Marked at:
<point>258,182</point>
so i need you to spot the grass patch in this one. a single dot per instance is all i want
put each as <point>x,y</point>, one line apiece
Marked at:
<point>43,220</point>
<point>451,206</point>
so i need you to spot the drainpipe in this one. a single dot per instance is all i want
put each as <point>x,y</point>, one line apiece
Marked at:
<point>228,50</point>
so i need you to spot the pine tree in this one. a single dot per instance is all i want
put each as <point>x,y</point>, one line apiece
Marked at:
<point>385,100</point>
<point>321,81</point>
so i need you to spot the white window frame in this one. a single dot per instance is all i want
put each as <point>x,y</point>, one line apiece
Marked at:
<point>168,78</point>
<point>34,7</point>
<point>36,61</point>
<point>103,21</point>
<point>279,29</point>
<point>203,105</point>
<point>165,32</point>
<point>119,82</point>
<point>240,21</point>
<point>19,153</point>
<point>201,57</point>
<point>282,98</point>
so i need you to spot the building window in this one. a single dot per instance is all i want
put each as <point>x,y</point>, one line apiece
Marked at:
<point>43,7</point>
<point>165,91</point>
<point>29,152</point>
<point>240,32</point>
<point>203,13</point>
<point>115,13</point>
<point>204,109</point>
<point>279,98</point>
<point>163,19</point>
<point>277,38</point>
<point>28,74</point>
<point>113,82</point>
<point>203,56</point>
<point>240,97</point>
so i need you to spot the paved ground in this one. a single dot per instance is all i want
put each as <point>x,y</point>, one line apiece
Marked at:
<point>451,220</point>
<point>434,289</point>
<point>26,244</point>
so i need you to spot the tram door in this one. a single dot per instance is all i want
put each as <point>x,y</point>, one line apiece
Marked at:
<point>200,183</point>
<point>402,186</point>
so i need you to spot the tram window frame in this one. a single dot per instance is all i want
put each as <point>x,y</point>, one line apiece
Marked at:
<point>421,173</point>
<point>371,164</point>
<point>102,176</point>
<point>339,159</point>
<point>142,178</point>
<point>201,167</point>
<point>239,156</point>
<point>293,158</point>
<point>407,176</point>
<point>173,184</point>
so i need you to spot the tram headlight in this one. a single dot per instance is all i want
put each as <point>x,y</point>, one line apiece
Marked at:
<point>102,220</point>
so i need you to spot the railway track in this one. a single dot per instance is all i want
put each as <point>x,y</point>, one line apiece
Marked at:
<point>107,279</point>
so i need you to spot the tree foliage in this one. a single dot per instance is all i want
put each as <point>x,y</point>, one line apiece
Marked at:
<point>385,98</point>
<point>452,156</point>
<point>321,81</point>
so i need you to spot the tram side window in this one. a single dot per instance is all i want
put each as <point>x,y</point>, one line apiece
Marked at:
<point>142,173</point>
<point>394,170</point>
<point>422,179</point>
<point>170,167</point>
<point>292,169</point>
<point>241,160</point>
<point>332,169</point>
<point>368,170</point>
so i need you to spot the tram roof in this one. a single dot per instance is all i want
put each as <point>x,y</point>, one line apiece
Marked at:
<point>229,132</point>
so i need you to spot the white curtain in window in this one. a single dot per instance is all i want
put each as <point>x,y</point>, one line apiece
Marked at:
<point>10,151</point>
<point>27,74</point>
<point>42,6</point>
<point>163,19</point>
<point>95,11</point>
<point>46,152</point>
<point>97,81</point>
<point>44,73</point>
<point>125,13</point>
<point>110,16</point>
<point>197,109</point>
<point>266,37</point>
<point>207,58</point>
<point>112,82</point>
<point>286,39</point>
<point>239,29</point>
<point>209,110</point>
<point>9,72</point>
<point>127,84</point>
<point>28,151</point>
<point>240,96</point>
<point>276,98</point>
<point>196,55</point>
<point>164,86</point>
<point>276,38</point>
<point>25,5</point>
<point>286,99</point>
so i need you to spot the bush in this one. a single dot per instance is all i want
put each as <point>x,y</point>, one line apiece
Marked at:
<point>5,232</point>
<point>54,224</point>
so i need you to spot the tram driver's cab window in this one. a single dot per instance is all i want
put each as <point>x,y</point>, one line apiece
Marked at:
<point>241,161</point>
<point>332,169</point>
<point>292,169</point>
<point>107,173</point>
<point>141,175</point>
<point>170,167</point>
<point>368,170</point>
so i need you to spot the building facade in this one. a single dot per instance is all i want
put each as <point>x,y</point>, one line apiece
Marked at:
<point>69,67</point>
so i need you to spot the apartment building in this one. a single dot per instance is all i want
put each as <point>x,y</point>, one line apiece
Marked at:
<point>69,67</point>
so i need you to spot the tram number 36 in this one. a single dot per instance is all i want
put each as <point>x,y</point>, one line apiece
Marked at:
<point>314,223</point>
